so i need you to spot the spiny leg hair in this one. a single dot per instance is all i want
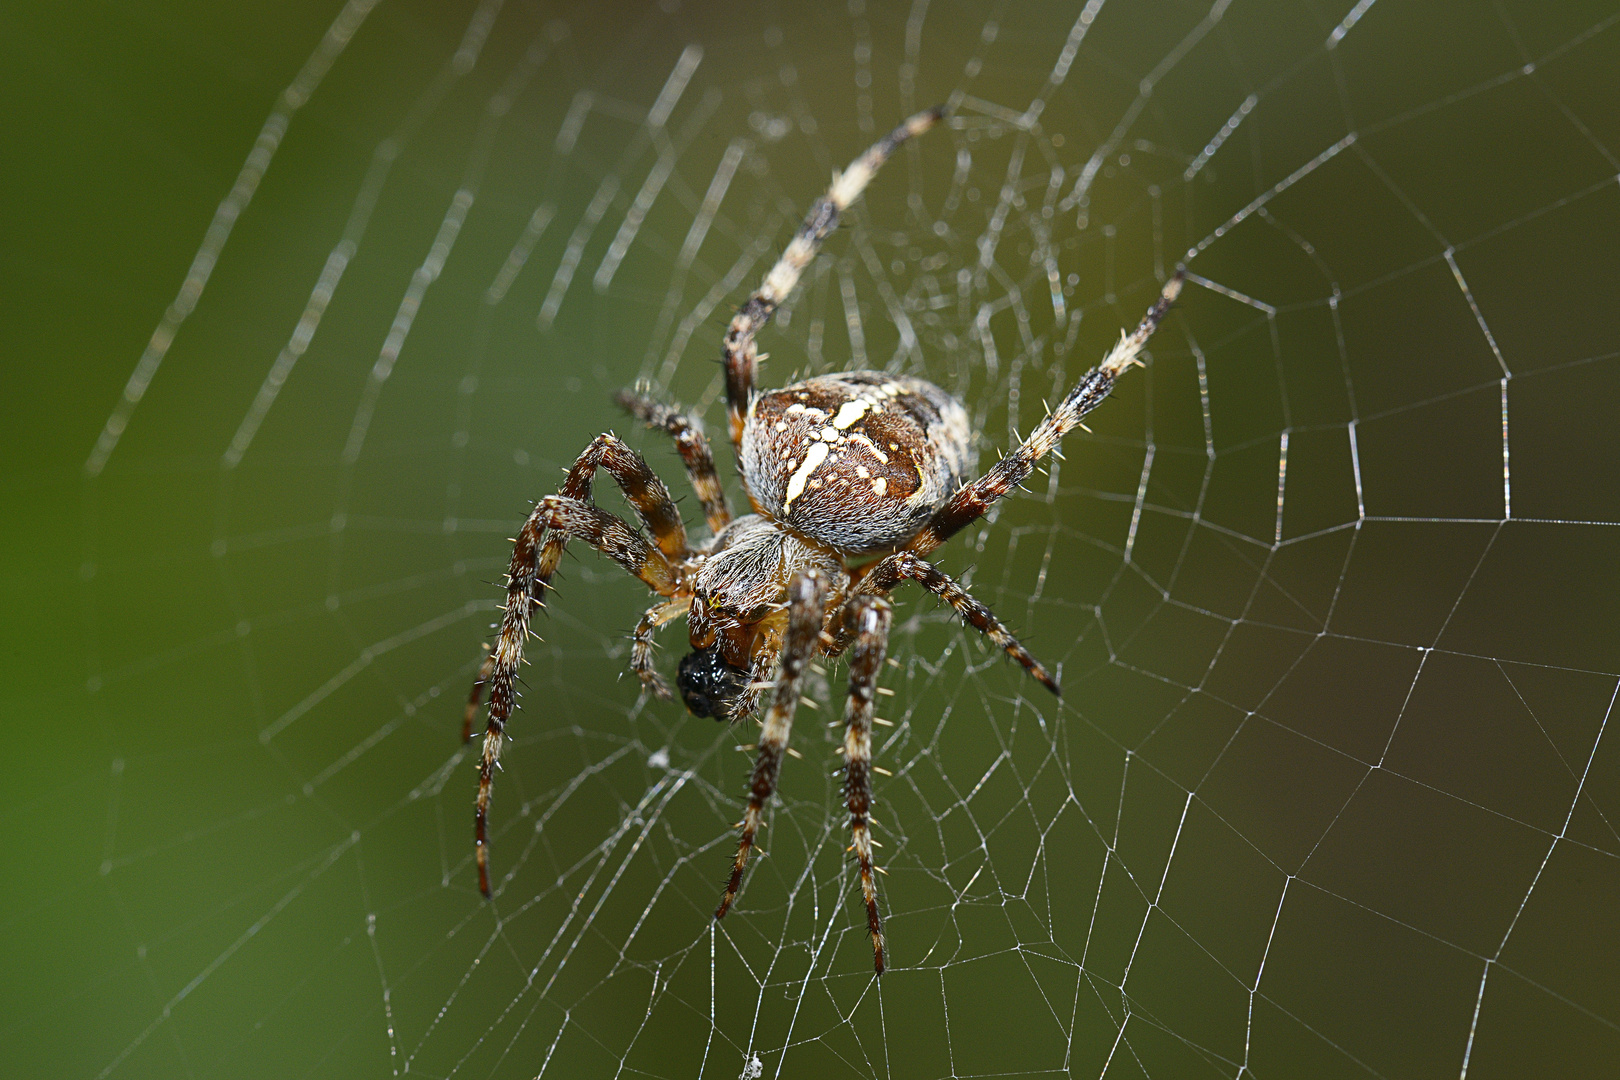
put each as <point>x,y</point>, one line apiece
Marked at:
<point>908,566</point>
<point>871,617</point>
<point>476,694</point>
<point>974,500</point>
<point>738,353</point>
<point>522,578</point>
<point>690,443</point>
<point>642,488</point>
<point>805,616</point>
<point>527,577</point>
<point>641,648</point>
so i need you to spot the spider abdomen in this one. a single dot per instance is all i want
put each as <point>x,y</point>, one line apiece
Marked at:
<point>860,460</point>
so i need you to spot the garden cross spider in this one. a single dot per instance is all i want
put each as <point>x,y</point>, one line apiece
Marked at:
<point>853,479</point>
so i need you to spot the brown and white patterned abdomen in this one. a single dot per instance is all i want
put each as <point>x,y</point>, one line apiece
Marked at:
<point>858,460</point>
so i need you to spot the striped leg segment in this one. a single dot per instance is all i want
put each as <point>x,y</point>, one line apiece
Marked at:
<point>569,519</point>
<point>641,649</point>
<point>906,566</point>
<point>528,575</point>
<point>522,579</point>
<point>646,493</point>
<point>642,489</point>
<point>805,615</point>
<point>738,353</point>
<point>690,443</point>
<point>974,500</point>
<point>870,618</point>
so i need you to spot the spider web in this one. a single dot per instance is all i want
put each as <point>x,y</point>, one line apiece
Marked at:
<point>1329,584</point>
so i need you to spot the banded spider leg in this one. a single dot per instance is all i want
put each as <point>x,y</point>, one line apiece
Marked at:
<point>871,616</point>
<point>535,555</point>
<point>974,500</point>
<point>806,612</point>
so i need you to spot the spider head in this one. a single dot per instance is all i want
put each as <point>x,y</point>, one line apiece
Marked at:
<point>709,685</point>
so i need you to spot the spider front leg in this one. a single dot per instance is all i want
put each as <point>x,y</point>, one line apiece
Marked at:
<point>528,574</point>
<point>974,500</point>
<point>692,445</point>
<point>903,566</point>
<point>805,615</point>
<point>871,617</point>
<point>644,491</point>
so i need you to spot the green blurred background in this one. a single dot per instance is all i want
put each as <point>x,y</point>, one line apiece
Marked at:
<point>1330,793</point>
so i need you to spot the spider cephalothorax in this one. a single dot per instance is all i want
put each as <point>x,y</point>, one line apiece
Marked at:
<point>842,467</point>
<point>853,479</point>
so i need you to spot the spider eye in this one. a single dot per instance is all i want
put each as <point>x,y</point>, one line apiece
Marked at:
<point>709,685</point>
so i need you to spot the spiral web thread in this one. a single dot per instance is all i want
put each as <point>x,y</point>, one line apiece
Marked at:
<point>1331,787</point>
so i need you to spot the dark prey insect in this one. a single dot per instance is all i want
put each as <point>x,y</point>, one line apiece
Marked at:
<point>853,479</point>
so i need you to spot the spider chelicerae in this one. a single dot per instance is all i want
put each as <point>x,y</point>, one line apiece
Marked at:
<point>852,478</point>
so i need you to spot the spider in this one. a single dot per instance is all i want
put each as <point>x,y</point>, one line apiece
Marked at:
<point>853,479</point>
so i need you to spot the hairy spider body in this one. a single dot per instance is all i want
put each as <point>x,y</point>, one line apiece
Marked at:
<point>739,613</point>
<point>853,478</point>
<point>859,461</point>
